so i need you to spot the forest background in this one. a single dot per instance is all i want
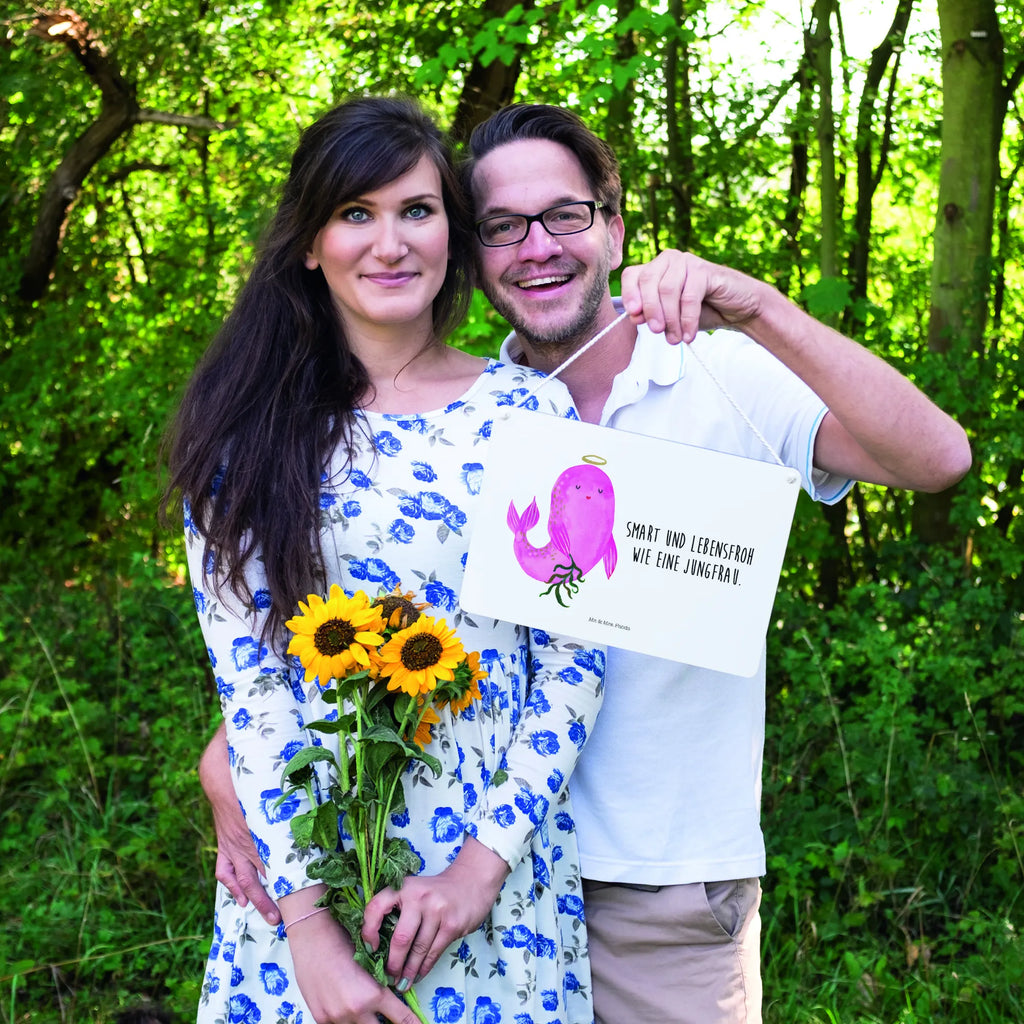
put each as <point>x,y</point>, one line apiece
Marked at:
<point>864,156</point>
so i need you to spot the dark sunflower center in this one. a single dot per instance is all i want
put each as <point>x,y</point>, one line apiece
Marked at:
<point>334,636</point>
<point>391,603</point>
<point>421,651</point>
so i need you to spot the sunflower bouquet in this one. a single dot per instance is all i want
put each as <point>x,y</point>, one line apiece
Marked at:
<point>390,669</point>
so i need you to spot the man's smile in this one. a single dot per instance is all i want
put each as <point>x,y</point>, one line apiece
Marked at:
<point>540,282</point>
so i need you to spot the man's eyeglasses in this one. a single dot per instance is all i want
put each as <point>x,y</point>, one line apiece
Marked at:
<point>564,219</point>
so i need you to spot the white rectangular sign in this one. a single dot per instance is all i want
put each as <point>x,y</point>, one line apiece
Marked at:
<point>630,541</point>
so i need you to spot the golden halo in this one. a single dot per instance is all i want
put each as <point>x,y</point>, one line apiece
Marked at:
<point>595,460</point>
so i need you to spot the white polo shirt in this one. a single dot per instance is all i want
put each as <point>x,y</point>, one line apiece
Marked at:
<point>668,788</point>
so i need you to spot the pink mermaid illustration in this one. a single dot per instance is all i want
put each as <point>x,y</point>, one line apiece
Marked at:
<point>579,526</point>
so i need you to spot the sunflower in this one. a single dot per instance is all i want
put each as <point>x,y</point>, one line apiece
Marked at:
<point>423,731</point>
<point>331,636</point>
<point>417,657</point>
<point>399,610</point>
<point>472,690</point>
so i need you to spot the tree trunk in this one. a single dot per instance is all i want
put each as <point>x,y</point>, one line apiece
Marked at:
<point>869,172</point>
<point>679,132</point>
<point>619,129</point>
<point>835,563</point>
<point>117,115</point>
<point>819,54</point>
<point>487,88</point>
<point>973,107</point>
<point>796,199</point>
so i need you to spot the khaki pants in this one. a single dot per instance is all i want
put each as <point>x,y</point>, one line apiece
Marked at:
<point>675,954</point>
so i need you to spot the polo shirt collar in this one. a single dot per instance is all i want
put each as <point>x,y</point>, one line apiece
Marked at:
<point>654,361</point>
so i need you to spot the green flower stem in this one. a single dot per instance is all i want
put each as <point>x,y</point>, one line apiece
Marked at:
<point>381,824</point>
<point>414,1004</point>
<point>343,762</point>
<point>359,837</point>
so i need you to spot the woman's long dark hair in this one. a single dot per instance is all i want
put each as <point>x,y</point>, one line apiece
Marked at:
<point>275,394</point>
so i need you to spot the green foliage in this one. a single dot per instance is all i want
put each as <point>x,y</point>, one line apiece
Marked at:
<point>827,297</point>
<point>893,775</point>
<point>894,815</point>
<point>104,839</point>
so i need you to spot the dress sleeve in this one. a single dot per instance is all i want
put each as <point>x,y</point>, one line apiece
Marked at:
<point>563,698</point>
<point>263,704</point>
<point>564,694</point>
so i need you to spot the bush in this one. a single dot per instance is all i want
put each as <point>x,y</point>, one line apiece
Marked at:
<point>107,875</point>
<point>893,809</point>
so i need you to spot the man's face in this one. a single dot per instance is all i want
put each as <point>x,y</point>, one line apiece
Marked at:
<point>552,289</point>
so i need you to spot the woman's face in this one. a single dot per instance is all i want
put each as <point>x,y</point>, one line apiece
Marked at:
<point>384,254</point>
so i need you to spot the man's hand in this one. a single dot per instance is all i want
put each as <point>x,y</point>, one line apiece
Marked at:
<point>680,293</point>
<point>880,428</point>
<point>238,864</point>
<point>435,910</point>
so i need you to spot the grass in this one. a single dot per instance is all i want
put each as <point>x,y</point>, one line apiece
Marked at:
<point>893,811</point>
<point>106,874</point>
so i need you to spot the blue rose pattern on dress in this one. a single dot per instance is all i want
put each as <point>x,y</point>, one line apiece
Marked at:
<point>403,516</point>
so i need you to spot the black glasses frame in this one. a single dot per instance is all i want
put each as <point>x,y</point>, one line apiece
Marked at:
<point>591,204</point>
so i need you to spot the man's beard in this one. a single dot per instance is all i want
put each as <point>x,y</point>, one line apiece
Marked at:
<point>566,336</point>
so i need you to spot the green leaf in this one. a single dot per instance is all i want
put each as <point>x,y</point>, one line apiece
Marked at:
<point>398,862</point>
<point>372,963</point>
<point>379,694</point>
<point>483,39</point>
<point>384,733</point>
<point>351,919</point>
<point>325,828</point>
<point>329,726</point>
<point>397,801</point>
<point>429,760</point>
<point>338,869</point>
<point>622,75</point>
<point>298,769</point>
<point>302,826</point>
<point>385,761</point>
<point>828,297</point>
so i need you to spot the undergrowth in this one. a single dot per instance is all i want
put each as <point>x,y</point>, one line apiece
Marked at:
<point>894,805</point>
<point>105,845</point>
<point>893,800</point>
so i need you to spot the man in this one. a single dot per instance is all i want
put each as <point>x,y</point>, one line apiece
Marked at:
<point>667,790</point>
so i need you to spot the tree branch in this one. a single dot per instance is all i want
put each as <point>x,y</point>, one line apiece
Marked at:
<point>206,124</point>
<point>67,27</point>
<point>127,170</point>
<point>116,115</point>
<point>119,112</point>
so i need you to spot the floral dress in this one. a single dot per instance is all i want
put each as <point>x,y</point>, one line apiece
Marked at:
<point>402,517</point>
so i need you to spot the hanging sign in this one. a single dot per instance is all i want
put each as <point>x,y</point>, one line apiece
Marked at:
<point>629,541</point>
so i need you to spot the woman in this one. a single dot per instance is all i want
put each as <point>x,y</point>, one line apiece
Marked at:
<point>330,436</point>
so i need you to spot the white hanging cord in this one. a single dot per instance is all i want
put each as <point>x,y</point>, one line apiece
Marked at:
<point>690,349</point>
<point>732,401</point>
<point>572,359</point>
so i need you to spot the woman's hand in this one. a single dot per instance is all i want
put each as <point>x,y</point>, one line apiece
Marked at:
<point>435,910</point>
<point>336,989</point>
<point>238,865</point>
